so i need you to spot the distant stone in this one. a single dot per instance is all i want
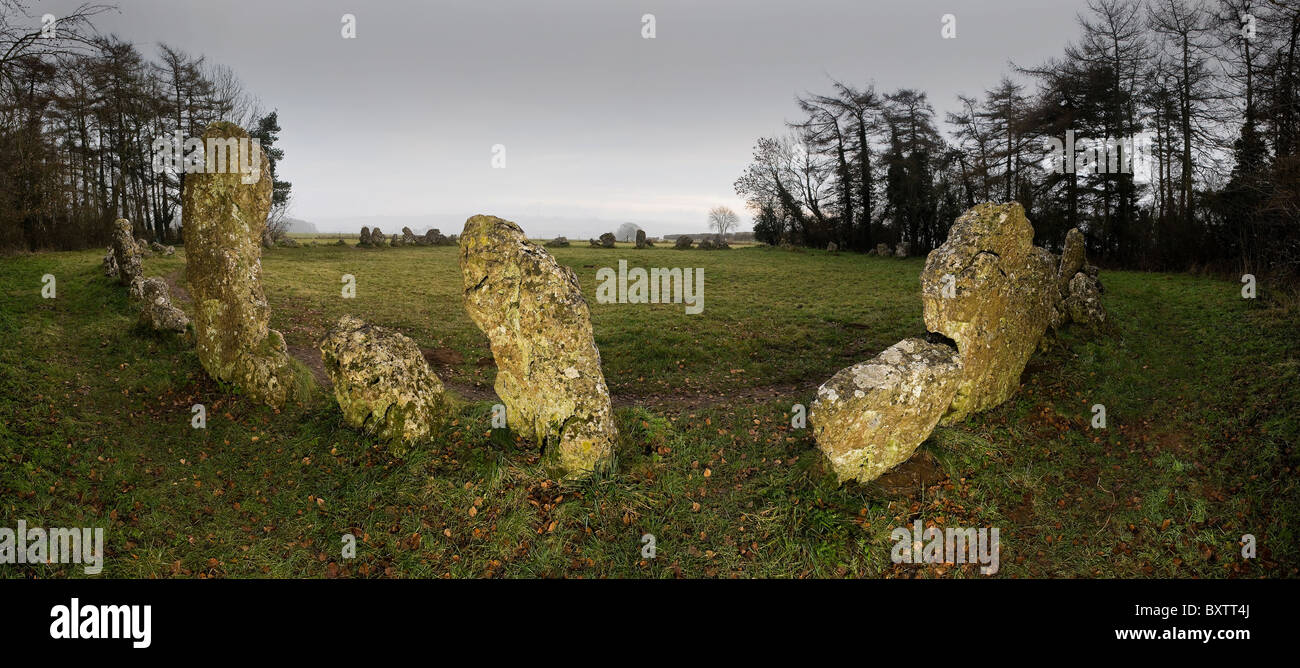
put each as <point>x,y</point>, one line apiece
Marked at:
<point>832,247</point>
<point>126,254</point>
<point>989,289</point>
<point>721,244</point>
<point>706,244</point>
<point>607,240</point>
<point>1073,257</point>
<point>873,415</point>
<point>594,243</point>
<point>110,264</point>
<point>160,249</point>
<point>156,310</point>
<point>883,250</point>
<point>382,383</point>
<point>224,219</point>
<point>287,242</point>
<point>683,242</point>
<point>548,368</point>
<point>904,249</point>
<point>558,242</point>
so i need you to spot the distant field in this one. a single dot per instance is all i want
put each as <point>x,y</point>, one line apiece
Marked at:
<point>1202,390</point>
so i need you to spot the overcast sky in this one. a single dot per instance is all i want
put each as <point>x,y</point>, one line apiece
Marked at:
<point>597,122</point>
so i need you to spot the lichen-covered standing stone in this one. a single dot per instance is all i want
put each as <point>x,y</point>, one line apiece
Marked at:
<point>110,264</point>
<point>126,255</point>
<point>873,415</point>
<point>382,382</point>
<point>548,368</point>
<point>1073,257</point>
<point>998,303</point>
<point>224,219</point>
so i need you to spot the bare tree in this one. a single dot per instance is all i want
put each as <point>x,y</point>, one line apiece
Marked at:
<point>723,220</point>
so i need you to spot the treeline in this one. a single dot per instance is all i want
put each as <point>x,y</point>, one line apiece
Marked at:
<point>79,114</point>
<point>1203,97</point>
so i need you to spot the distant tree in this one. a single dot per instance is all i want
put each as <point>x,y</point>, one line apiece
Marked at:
<point>267,132</point>
<point>626,232</point>
<point>723,220</point>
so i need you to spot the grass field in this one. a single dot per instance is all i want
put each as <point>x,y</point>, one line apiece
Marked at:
<point>1201,389</point>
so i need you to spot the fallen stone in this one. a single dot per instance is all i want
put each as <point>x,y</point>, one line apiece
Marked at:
<point>873,415</point>
<point>607,240</point>
<point>1002,294</point>
<point>548,368</point>
<point>382,383</point>
<point>558,242</point>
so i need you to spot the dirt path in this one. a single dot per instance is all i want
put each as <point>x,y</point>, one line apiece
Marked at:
<point>673,402</point>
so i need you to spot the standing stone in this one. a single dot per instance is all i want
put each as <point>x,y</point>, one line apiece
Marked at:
<point>548,368</point>
<point>1003,291</point>
<point>382,383</point>
<point>832,247</point>
<point>904,249</point>
<point>126,254</point>
<point>1073,257</point>
<point>1083,302</point>
<point>607,240</point>
<point>377,238</point>
<point>365,237</point>
<point>872,416</point>
<point>156,310</point>
<point>224,219</point>
<point>110,264</point>
<point>408,237</point>
<point>883,250</point>
<point>640,238</point>
<point>434,237</point>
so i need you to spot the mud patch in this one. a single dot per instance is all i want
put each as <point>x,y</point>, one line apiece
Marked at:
<point>912,476</point>
<point>441,356</point>
<point>312,359</point>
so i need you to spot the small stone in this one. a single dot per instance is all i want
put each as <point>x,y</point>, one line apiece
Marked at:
<point>382,383</point>
<point>872,416</point>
